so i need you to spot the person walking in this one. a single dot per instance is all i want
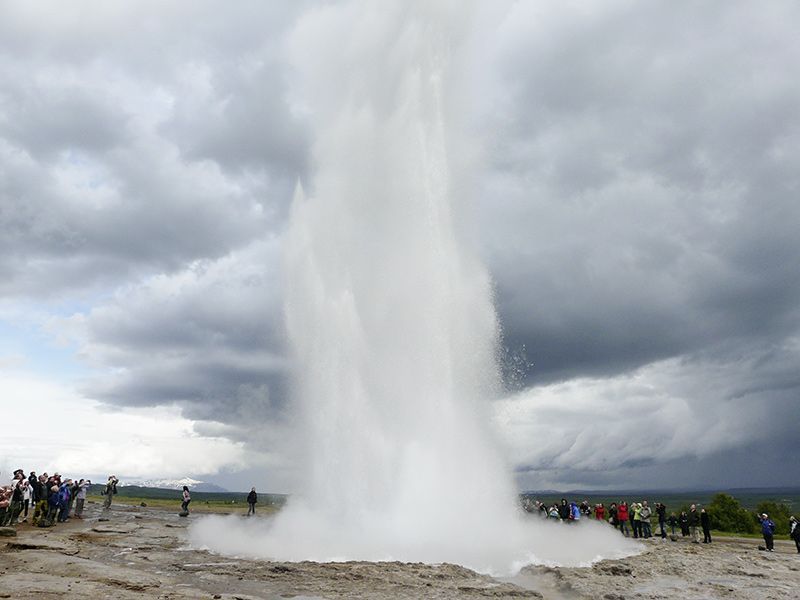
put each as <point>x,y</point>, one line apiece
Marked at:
<point>794,532</point>
<point>111,489</point>
<point>252,498</point>
<point>186,499</point>
<point>768,531</point>
<point>705,522</point>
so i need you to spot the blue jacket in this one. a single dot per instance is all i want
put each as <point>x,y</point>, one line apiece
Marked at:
<point>767,526</point>
<point>64,494</point>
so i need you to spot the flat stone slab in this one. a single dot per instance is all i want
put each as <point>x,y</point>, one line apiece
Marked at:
<point>8,532</point>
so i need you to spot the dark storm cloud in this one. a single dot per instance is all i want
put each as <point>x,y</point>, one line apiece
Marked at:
<point>644,191</point>
<point>134,140</point>
<point>638,209</point>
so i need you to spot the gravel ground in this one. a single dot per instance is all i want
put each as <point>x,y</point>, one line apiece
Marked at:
<point>142,553</point>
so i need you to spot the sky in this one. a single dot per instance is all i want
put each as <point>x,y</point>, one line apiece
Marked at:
<point>636,204</point>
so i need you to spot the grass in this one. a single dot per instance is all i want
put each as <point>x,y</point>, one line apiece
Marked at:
<point>198,506</point>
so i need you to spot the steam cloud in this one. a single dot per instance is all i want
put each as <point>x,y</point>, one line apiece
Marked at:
<point>390,317</point>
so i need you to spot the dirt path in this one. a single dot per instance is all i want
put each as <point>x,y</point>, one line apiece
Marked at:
<point>142,553</point>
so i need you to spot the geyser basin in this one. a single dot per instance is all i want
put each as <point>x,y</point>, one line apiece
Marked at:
<point>501,550</point>
<point>390,316</point>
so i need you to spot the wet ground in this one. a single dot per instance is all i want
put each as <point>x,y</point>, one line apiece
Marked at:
<point>140,552</point>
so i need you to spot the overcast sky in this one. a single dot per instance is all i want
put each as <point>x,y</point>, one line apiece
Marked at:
<point>637,207</point>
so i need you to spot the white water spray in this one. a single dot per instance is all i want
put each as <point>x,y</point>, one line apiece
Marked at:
<point>391,320</point>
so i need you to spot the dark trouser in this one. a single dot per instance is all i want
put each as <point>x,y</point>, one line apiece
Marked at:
<point>79,507</point>
<point>663,528</point>
<point>52,511</point>
<point>646,533</point>
<point>251,508</point>
<point>185,505</point>
<point>706,535</point>
<point>63,514</point>
<point>13,512</point>
<point>26,504</point>
<point>797,543</point>
<point>623,527</point>
<point>637,528</point>
<point>770,540</point>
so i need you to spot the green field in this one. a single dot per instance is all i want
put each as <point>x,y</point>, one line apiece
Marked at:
<point>217,502</point>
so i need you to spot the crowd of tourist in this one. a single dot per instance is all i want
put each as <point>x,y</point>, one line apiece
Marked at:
<point>635,519</point>
<point>46,499</point>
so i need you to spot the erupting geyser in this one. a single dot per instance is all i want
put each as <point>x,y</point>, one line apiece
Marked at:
<point>391,319</point>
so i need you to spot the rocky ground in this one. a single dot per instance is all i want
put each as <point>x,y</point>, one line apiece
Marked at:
<point>140,552</point>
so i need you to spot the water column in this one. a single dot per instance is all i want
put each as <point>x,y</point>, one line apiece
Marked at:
<point>390,317</point>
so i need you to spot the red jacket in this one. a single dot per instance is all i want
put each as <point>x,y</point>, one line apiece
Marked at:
<point>622,512</point>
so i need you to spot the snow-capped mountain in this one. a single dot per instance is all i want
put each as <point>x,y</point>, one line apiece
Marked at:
<point>174,484</point>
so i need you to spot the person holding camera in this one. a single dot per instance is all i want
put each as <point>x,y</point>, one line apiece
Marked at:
<point>768,531</point>
<point>111,489</point>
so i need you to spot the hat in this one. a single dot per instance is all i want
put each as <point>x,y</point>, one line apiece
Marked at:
<point>764,515</point>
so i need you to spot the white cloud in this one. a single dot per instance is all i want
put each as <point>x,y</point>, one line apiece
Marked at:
<point>55,429</point>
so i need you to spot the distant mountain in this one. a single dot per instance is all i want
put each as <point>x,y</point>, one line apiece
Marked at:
<point>174,484</point>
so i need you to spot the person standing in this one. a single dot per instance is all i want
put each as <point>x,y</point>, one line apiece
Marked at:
<point>600,512</point>
<point>672,522</point>
<point>644,514</point>
<point>768,531</point>
<point>622,515</point>
<point>40,509</point>
<point>564,510</point>
<point>52,507</point>
<point>252,498</point>
<point>694,524</point>
<point>186,499</point>
<point>15,502</point>
<point>794,532</point>
<point>33,482</point>
<point>64,497</point>
<point>683,520</point>
<point>661,511</point>
<point>111,489</point>
<point>637,520</point>
<point>80,497</point>
<point>705,522</point>
<point>27,494</point>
